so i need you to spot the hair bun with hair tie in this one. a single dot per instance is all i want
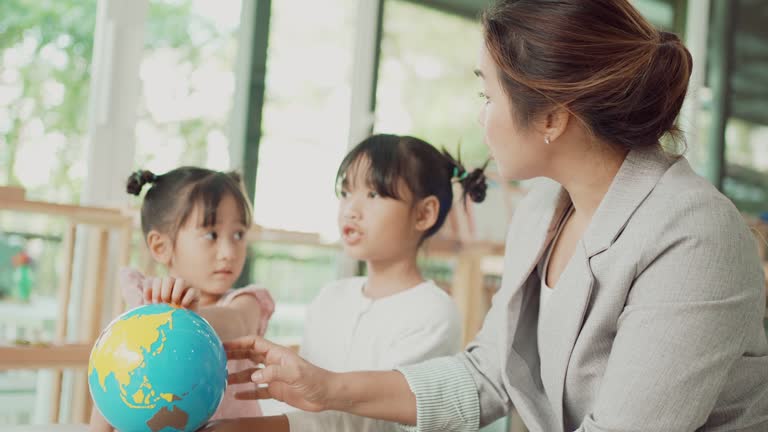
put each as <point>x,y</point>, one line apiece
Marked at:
<point>459,174</point>
<point>476,185</point>
<point>235,176</point>
<point>138,179</point>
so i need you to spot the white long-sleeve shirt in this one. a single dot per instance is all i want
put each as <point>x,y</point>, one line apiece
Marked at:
<point>347,331</point>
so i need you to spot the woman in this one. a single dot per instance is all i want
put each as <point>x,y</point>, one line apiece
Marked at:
<point>632,294</point>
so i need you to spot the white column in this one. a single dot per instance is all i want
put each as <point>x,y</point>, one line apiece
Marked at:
<point>363,64</point>
<point>112,108</point>
<point>112,113</point>
<point>361,116</point>
<point>110,141</point>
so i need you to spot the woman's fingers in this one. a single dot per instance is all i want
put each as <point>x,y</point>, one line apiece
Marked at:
<point>246,355</point>
<point>254,348</point>
<point>260,393</point>
<point>284,375</point>
<point>274,373</point>
<point>254,344</point>
<point>241,377</point>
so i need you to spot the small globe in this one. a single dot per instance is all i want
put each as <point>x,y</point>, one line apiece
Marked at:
<point>157,368</point>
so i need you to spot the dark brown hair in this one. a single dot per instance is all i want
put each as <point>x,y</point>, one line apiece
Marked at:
<point>175,194</point>
<point>599,59</point>
<point>392,160</point>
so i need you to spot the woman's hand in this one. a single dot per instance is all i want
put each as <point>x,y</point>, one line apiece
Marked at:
<point>288,377</point>
<point>170,290</point>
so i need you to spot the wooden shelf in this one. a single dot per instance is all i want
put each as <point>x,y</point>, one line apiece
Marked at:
<point>44,356</point>
<point>76,214</point>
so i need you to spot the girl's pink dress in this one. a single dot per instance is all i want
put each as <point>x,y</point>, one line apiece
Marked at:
<point>130,285</point>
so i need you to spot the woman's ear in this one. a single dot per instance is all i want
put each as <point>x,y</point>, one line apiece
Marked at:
<point>160,246</point>
<point>554,123</point>
<point>427,211</point>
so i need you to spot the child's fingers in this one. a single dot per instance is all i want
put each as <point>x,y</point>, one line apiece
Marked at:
<point>157,288</point>
<point>166,290</point>
<point>190,299</point>
<point>244,376</point>
<point>178,291</point>
<point>146,290</point>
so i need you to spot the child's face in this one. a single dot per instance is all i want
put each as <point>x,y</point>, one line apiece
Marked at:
<point>211,258</point>
<point>374,228</point>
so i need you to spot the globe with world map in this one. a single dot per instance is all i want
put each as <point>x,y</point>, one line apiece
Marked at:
<point>157,368</point>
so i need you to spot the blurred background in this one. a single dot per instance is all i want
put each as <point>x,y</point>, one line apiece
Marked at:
<point>91,90</point>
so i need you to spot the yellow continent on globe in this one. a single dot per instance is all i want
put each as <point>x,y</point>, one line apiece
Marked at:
<point>121,351</point>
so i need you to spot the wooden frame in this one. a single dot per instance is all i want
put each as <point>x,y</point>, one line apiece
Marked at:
<point>61,355</point>
<point>45,356</point>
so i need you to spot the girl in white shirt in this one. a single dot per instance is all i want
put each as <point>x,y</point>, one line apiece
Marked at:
<point>394,192</point>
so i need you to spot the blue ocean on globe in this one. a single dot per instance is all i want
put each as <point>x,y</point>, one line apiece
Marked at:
<point>157,368</point>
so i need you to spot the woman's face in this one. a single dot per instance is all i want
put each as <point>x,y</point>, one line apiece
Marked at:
<point>520,151</point>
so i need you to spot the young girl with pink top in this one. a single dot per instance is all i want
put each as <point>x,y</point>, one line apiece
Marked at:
<point>194,221</point>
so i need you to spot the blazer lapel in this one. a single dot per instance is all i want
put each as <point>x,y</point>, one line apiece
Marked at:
<point>525,247</point>
<point>566,311</point>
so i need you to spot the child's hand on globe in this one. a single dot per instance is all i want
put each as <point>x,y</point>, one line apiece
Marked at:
<point>170,290</point>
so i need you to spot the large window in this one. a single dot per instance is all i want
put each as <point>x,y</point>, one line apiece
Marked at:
<point>306,114</point>
<point>304,138</point>
<point>188,82</point>
<point>426,84</point>
<point>746,134</point>
<point>45,58</point>
<point>664,14</point>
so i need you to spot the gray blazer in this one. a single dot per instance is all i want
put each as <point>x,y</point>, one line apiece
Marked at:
<point>655,323</point>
